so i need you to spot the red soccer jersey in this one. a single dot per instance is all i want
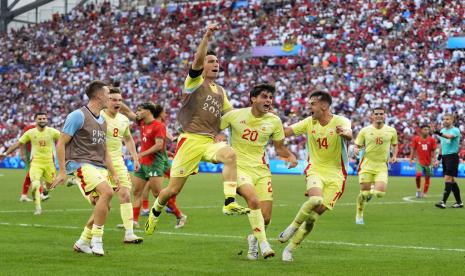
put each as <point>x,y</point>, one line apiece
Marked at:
<point>148,135</point>
<point>28,145</point>
<point>424,148</point>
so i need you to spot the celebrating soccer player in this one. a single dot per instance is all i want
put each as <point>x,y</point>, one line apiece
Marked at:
<point>450,145</point>
<point>423,150</point>
<point>377,139</point>
<point>327,137</point>
<point>204,103</point>
<point>118,132</point>
<point>251,129</point>
<point>82,151</point>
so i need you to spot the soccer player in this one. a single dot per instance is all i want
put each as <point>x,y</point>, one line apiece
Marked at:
<point>251,129</point>
<point>377,139</point>
<point>327,137</point>
<point>42,139</point>
<point>423,151</point>
<point>82,151</point>
<point>118,132</point>
<point>203,104</point>
<point>153,157</point>
<point>450,145</point>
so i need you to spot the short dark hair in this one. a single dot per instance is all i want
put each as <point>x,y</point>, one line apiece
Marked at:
<point>93,87</point>
<point>115,90</point>
<point>424,125</point>
<point>322,96</point>
<point>38,114</point>
<point>259,88</point>
<point>150,107</point>
<point>378,108</point>
<point>211,53</point>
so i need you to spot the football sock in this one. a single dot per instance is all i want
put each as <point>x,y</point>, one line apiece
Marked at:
<point>41,189</point>
<point>97,233</point>
<point>258,224</point>
<point>418,181</point>
<point>379,194</point>
<point>145,204</point>
<point>172,205</point>
<point>26,184</point>
<point>126,215</point>
<point>157,208</point>
<point>427,181</point>
<point>361,201</point>
<point>135,213</point>
<point>447,190</point>
<point>229,188</point>
<point>303,230</point>
<point>456,191</point>
<point>306,209</point>
<point>36,192</point>
<point>86,235</point>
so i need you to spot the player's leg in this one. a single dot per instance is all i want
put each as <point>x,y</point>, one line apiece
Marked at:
<point>101,210</point>
<point>82,245</point>
<point>448,180</point>
<point>145,200</point>
<point>181,218</point>
<point>26,185</point>
<point>418,172</point>
<point>139,180</point>
<point>428,173</point>
<point>366,180</point>
<point>36,172</point>
<point>455,187</point>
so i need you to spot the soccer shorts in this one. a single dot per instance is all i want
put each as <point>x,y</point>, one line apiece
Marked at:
<point>450,164</point>
<point>90,177</point>
<point>47,171</point>
<point>259,179</point>
<point>427,170</point>
<point>123,174</point>
<point>159,168</point>
<point>373,176</point>
<point>332,187</point>
<point>191,149</point>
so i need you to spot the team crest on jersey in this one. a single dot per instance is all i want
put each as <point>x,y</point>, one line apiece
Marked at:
<point>331,132</point>
<point>242,122</point>
<point>182,170</point>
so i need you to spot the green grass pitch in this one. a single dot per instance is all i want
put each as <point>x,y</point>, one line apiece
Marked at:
<point>401,235</point>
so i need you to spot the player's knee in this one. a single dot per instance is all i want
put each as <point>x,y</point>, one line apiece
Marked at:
<point>379,194</point>
<point>365,194</point>
<point>229,157</point>
<point>172,191</point>
<point>315,201</point>
<point>253,202</point>
<point>125,197</point>
<point>35,184</point>
<point>418,174</point>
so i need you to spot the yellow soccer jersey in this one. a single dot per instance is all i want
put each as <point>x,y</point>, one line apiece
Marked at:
<point>42,143</point>
<point>327,151</point>
<point>377,143</point>
<point>190,84</point>
<point>117,128</point>
<point>250,135</point>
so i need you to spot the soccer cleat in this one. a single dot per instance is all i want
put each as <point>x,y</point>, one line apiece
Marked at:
<point>287,234</point>
<point>253,248</point>
<point>234,208</point>
<point>418,194</point>
<point>359,220</point>
<point>457,205</point>
<point>168,210</point>
<point>151,223</point>
<point>25,198</point>
<point>180,221</point>
<point>287,255</point>
<point>82,247</point>
<point>38,211</point>
<point>133,239</point>
<point>97,248</point>
<point>145,213</point>
<point>441,205</point>
<point>266,250</point>
<point>44,197</point>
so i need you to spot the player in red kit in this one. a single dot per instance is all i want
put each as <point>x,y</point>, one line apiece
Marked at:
<point>423,151</point>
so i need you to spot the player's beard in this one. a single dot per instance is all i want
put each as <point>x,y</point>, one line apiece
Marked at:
<point>42,125</point>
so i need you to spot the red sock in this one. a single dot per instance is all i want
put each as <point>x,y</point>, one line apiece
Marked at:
<point>26,184</point>
<point>418,180</point>
<point>135,214</point>
<point>427,179</point>
<point>172,204</point>
<point>41,189</point>
<point>145,204</point>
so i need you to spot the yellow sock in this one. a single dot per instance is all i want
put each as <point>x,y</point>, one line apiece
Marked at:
<point>86,234</point>
<point>258,224</point>
<point>97,231</point>
<point>361,201</point>
<point>126,215</point>
<point>306,210</point>
<point>303,230</point>
<point>157,206</point>
<point>36,192</point>
<point>229,188</point>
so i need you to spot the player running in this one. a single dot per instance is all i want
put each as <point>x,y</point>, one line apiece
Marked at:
<point>82,151</point>
<point>450,145</point>
<point>327,137</point>
<point>251,129</point>
<point>200,114</point>
<point>377,139</point>
<point>118,132</point>
<point>423,153</point>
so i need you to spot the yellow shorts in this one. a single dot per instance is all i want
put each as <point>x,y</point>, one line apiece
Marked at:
<point>191,149</point>
<point>89,178</point>
<point>123,174</point>
<point>45,171</point>
<point>261,181</point>
<point>332,188</point>
<point>371,176</point>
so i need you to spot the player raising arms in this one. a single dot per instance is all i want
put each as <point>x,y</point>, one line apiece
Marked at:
<point>423,151</point>
<point>251,129</point>
<point>199,116</point>
<point>82,151</point>
<point>42,166</point>
<point>327,137</point>
<point>377,139</point>
<point>118,132</point>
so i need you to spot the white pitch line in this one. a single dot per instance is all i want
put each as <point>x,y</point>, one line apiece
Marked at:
<point>202,235</point>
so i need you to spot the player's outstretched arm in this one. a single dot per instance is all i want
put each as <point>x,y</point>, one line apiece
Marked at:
<point>126,111</point>
<point>131,146</point>
<point>288,131</point>
<point>285,153</point>
<point>60,147</point>
<point>203,48</point>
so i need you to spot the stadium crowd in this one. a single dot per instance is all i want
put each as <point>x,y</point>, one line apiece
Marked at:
<point>365,53</point>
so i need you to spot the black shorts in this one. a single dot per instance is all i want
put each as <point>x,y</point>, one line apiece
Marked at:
<point>450,164</point>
